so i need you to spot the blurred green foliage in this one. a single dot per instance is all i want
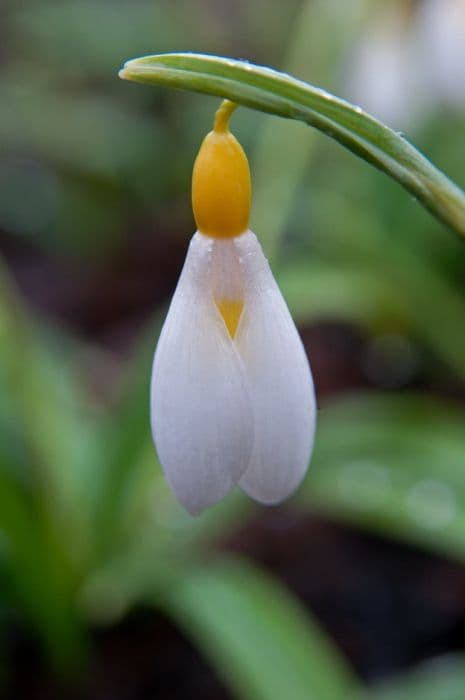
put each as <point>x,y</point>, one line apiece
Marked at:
<point>88,527</point>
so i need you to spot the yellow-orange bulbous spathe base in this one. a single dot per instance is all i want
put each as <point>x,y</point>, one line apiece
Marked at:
<point>221,188</point>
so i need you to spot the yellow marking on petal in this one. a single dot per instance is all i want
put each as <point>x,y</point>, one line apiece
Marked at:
<point>231,312</point>
<point>221,188</point>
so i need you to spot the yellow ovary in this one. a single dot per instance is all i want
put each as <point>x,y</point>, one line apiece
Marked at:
<point>221,189</point>
<point>231,312</point>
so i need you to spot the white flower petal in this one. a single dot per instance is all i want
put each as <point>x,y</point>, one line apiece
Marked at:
<point>440,32</point>
<point>279,379</point>
<point>384,72</point>
<point>200,409</point>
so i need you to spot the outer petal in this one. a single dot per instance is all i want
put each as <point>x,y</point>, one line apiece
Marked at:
<point>280,382</point>
<point>200,409</point>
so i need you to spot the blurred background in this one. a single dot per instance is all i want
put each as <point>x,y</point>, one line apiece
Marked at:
<point>356,587</point>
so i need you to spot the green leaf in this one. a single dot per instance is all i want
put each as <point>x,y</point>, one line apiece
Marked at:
<point>38,577</point>
<point>49,409</point>
<point>261,641</point>
<point>278,93</point>
<point>123,441</point>
<point>394,465</point>
<point>315,290</point>
<point>42,493</point>
<point>441,679</point>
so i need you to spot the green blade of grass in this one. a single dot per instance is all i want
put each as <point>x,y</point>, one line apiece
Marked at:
<point>260,640</point>
<point>393,465</point>
<point>440,679</point>
<point>278,93</point>
<point>37,576</point>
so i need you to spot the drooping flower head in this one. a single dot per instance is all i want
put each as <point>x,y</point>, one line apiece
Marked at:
<point>232,399</point>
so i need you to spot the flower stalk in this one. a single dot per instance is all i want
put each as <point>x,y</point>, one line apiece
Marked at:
<point>278,93</point>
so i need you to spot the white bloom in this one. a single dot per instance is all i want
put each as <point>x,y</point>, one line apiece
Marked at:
<point>383,75</point>
<point>232,399</point>
<point>409,60</point>
<point>441,30</point>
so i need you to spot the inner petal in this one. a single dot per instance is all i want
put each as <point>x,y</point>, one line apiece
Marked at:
<point>227,282</point>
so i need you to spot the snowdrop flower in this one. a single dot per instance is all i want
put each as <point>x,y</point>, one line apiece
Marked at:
<point>383,75</point>
<point>232,399</point>
<point>441,28</point>
<point>409,61</point>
